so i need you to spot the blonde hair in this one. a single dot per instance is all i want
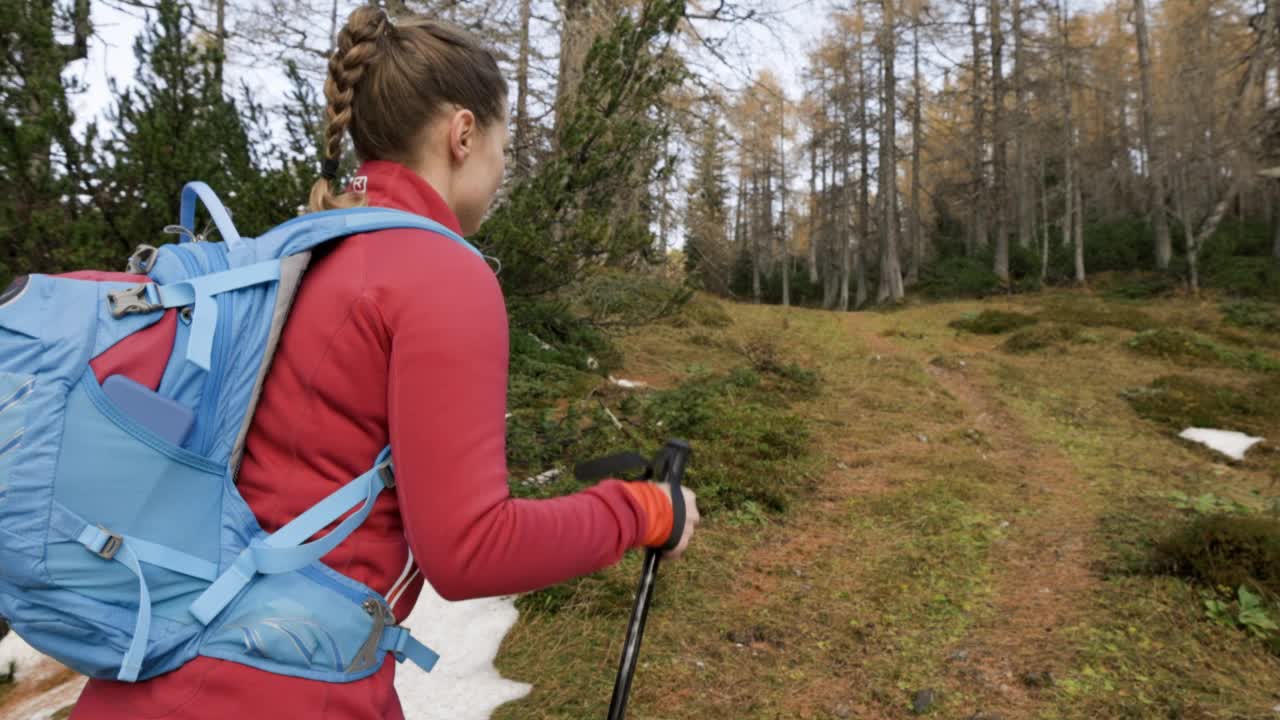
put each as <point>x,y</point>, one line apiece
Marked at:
<point>388,79</point>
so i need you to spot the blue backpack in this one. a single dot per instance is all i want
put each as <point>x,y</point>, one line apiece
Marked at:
<point>124,554</point>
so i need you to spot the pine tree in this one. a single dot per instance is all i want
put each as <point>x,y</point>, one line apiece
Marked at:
<point>563,217</point>
<point>43,219</point>
<point>176,126</point>
<point>707,252</point>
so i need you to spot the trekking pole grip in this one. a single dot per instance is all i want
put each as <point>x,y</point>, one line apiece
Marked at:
<point>669,468</point>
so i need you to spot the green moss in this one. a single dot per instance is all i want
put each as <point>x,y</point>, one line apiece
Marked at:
<point>1178,402</point>
<point>1253,315</point>
<point>1223,550</point>
<point>1192,349</point>
<point>1078,310</point>
<point>1041,337</point>
<point>993,322</point>
<point>707,312</point>
<point>1134,285</point>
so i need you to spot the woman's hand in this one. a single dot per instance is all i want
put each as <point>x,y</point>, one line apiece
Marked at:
<point>691,520</point>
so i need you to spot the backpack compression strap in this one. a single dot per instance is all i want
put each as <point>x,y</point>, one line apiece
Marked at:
<point>285,550</point>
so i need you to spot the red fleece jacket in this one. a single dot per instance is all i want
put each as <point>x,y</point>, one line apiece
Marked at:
<point>397,337</point>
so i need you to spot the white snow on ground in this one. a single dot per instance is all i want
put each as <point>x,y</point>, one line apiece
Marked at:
<point>464,685</point>
<point>28,662</point>
<point>1228,442</point>
<point>626,383</point>
<point>32,666</point>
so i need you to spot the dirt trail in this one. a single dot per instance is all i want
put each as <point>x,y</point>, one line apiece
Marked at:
<point>1040,571</point>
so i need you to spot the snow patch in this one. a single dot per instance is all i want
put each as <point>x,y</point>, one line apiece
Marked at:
<point>631,384</point>
<point>1228,442</point>
<point>464,685</point>
<point>31,666</point>
<point>542,479</point>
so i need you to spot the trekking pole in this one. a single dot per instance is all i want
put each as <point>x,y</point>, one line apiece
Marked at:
<point>669,466</point>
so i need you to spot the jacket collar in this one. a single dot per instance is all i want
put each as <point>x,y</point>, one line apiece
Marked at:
<point>392,185</point>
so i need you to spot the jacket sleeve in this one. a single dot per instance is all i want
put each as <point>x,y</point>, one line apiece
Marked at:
<point>447,390</point>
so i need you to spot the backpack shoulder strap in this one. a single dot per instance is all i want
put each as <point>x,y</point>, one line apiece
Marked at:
<point>306,232</point>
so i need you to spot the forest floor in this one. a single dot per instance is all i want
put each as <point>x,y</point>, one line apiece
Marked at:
<point>972,546</point>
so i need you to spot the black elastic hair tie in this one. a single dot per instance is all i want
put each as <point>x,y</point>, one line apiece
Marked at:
<point>329,169</point>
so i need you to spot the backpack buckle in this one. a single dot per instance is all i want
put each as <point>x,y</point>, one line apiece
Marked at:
<point>111,546</point>
<point>131,300</point>
<point>386,474</point>
<point>143,259</point>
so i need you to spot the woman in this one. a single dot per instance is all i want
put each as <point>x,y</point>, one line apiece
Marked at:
<point>400,337</point>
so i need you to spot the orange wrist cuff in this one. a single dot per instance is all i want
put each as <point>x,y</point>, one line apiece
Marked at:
<point>657,511</point>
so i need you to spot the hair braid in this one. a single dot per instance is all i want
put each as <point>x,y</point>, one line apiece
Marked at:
<point>357,47</point>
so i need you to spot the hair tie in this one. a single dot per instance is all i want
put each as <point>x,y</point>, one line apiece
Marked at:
<point>329,169</point>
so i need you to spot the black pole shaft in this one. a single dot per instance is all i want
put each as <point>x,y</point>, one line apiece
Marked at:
<point>635,633</point>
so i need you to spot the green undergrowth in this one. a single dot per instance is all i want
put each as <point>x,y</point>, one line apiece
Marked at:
<point>1077,309</point>
<point>1179,401</point>
<point>1252,314</point>
<point>750,447</point>
<point>1191,349</point>
<point>1043,337</point>
<point>992,322</point>
<point>1223,550</point>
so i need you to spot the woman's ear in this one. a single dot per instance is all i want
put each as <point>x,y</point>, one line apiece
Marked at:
<point>462,134</point>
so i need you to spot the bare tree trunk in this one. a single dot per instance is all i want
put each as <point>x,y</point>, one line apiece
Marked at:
<point>753,237</point>
<point>576,38</point>
<point>1023,197</point>
<point>1207,228</point>
<point>219,40</point>
<point>842,214</point>
<point>1068,130</point>
<point>890,266</point>
<point>977,207</point>
<point>1155,165</point>
<point>520,143</point>
<point>1079,233</point>
<point>782,216</point>
<point>999,143</point>
<point>917,241</point>
<point>832,236</point>
<point>846,233</point>
<point>1048,226</point>
<point>864,190</point>
<point>333,28</point>
<point>1275,241</point>
<point>813,212</point>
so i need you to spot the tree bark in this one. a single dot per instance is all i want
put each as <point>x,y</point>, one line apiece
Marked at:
<point>1023,198</point>
<point>999,144</point>
<point>782,192</point>
<point>520,143</point>
<point>813,212</point>
<point>1155,166</point>
<point>864,189</point>
<point>753,237</point>
<point>1048,226</point>
<point>917,241</point>
<point>890,266</point>
<point>977,207</point>
<point>1079,233</point>
<point>1068,130</point>
<point>219,40</point>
